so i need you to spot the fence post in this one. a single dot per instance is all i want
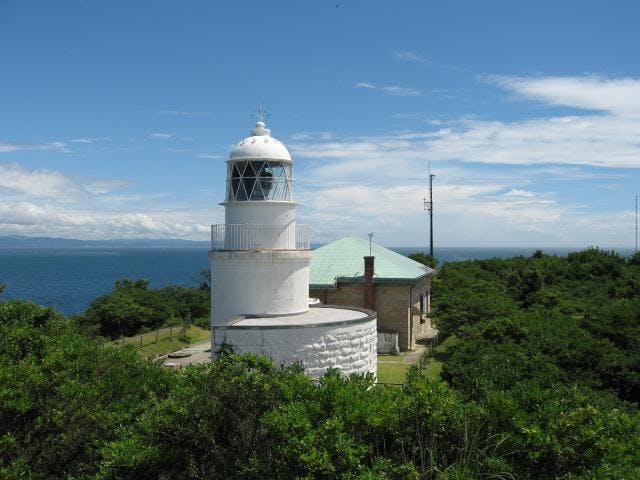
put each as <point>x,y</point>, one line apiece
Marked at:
<point>170,332</point>
<point>140,341</point>
<point>156,336</point>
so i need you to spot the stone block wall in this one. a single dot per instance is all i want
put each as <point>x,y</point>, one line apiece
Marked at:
<point>351,348</point>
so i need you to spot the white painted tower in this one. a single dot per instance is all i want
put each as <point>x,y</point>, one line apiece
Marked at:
<point>260,272</point>
<point>261,257</point>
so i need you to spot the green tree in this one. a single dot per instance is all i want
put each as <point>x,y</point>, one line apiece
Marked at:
<point>425,259</point>
<point>133,307</point>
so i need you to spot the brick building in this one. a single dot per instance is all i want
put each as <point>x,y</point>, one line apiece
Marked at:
<point>345,272</point>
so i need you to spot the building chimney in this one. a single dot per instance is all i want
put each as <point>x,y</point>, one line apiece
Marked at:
<point>369,292</point>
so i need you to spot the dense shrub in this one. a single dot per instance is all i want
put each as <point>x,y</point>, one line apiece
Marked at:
<point>133,307</point>
<point>62,395</point>
<point>549,347</point>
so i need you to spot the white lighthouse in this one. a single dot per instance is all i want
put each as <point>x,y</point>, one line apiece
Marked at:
<point>260,272</point>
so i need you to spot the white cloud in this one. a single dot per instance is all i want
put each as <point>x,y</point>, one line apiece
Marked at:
<point>471,213</point>
<point>414,57</point>
<point>37,202</point>
<point>100,187</point>
<point>394,90</point>
<point>177,150</point>
<point>160,136</point>
<point>16,180</point>
<point>604,141</point>
<point>519,193</point>
<point>90,140</point>
<point>618,96</point>
<point>308,135</point>
<point>15,146</point>
<point>28,218</point>
<point>409,56</point>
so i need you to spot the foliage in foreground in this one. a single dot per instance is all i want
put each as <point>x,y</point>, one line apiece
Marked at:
<point>71,407</point>
<point>541,383</point>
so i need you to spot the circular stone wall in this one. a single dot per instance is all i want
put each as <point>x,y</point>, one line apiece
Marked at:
<point>349,345</point>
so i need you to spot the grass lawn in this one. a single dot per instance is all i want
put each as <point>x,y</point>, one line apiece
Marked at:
<point>433,369</point>
<point>391,372</point>
<point>166,343</point>
<point>393,368</point>
<point>434,366</point>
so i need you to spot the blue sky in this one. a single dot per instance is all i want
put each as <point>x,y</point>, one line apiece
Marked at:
<point>116,117</point>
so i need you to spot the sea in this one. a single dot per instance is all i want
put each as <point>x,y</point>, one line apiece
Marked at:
<point>69,279</point>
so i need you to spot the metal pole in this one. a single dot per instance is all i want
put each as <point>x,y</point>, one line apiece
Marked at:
<point>431,214</point>
<point>636,223</point>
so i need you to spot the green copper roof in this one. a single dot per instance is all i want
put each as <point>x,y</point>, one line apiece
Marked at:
<point>343,260</point>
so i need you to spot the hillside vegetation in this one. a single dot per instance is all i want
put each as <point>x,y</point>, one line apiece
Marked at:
<point>132,308</point>
<point>540,382</point>
<point>549,346</point>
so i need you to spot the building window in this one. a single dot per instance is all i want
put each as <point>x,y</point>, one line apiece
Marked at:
<point>259,180</point>
<point>423,308</point>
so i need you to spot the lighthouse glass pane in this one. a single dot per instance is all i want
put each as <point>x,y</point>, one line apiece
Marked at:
<point>250,171</point>
<point>249,184</point>
<point>242,193</point>
<point>233,190</point>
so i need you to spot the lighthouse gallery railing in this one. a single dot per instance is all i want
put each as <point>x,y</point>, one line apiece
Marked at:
<point>260,237</point>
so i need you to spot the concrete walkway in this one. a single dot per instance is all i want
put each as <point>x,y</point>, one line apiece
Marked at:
<point>196,353</point>
<point>411,356</point>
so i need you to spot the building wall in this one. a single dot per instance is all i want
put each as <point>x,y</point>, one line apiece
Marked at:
<point>350,348</point>
<point>388,342</point>
<point>421,322</point>
<point>345,294</point>
<point>392,306</point>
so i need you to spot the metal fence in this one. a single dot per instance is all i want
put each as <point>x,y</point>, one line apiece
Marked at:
<point>260,237</point>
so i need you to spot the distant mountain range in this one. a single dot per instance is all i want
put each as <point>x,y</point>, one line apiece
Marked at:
<point>20,241</point>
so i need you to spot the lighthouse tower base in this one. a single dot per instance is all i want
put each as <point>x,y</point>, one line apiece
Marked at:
<point>325,337</point>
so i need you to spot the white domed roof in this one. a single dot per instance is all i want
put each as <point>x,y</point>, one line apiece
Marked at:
<point>260,145</point>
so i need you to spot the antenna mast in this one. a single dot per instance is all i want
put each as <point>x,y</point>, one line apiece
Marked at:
<point>428,206</point>
<point>261,114</point>
<point>636,223</point>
